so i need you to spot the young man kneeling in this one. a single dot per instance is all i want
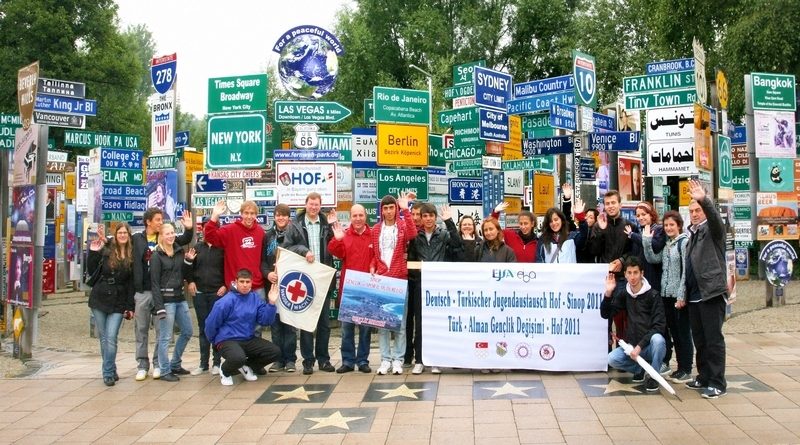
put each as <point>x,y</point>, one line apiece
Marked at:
<point>230,327</point>
<point>646,321</point>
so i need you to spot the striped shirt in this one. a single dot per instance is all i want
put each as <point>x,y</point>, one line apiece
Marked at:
<point>313,228</point>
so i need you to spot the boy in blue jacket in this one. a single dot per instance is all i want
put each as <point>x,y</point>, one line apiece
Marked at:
<point>230,327</point>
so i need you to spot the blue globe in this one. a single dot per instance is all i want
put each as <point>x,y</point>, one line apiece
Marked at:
<point>308,67</point>
<point>779,268</point>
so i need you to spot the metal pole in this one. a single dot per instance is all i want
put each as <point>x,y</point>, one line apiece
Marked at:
<point>430,92</point>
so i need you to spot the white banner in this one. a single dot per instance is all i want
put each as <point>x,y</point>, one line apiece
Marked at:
<point>514,316</point>
<point>303,290</point>
<point>297,179</point>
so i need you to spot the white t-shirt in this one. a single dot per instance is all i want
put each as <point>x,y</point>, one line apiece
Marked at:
<point>388,242</point>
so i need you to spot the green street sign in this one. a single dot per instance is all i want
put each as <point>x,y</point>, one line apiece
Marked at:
<point>464,73</point>
<point>91,139</point>
<point>741,213</point>
<point>467,164</point>
<point>206,200</point>
<point>741,179</point>
<point>436,150</point>
<point>773,91</point>
<point>340,142</point>
<point>10,119</point>
<point>402,106</point>
<point>123,177</point>
<point>300,111</point>
<point>371,209</point>
<point>369,113</point>
<point>743,244</point>
<point>469,174</point>
<point>661,99</point>
<point>117,216</point>
<point>459,91</point>
<point>535,122</point>
<point>238,94</point>
<point>394,181</point>
<point>725,166</point>
<point>164,162</point>
<point>236,141</point>
<point>467,137</point>
<point>658,82</point>
<point>541,163</point>
<point>459,117</point>
<point>465,152</point>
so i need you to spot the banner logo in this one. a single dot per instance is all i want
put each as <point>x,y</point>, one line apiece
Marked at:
<point>297,291</point>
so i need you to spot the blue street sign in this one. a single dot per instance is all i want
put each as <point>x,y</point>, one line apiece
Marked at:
<point>119,159</point>
<point>563,116</point>
<point>119,205</point>
<point>465,191</point>
<point>558,145</point>
<point>306,155</point>
<point>739,135</point>
<point>65,105</point>
<point>541,102</point>
<point>493,126</point>
<point>603,122</point>
<point>124,191</point>
<point>203,184</point>
<point>543,86</point>
<point>181,139</point>
<point>669,66</point>
<point>292,213</point>
<point>162,72</point>
<point>587,169</point>
<point>492,88</point>
<point>138,221</point>
<point>493,193</point>
<point>229,219</point>
<point>712,119</point>
<point>614,141</point>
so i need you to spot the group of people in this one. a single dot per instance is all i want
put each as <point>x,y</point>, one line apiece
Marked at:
<point>660,292</point>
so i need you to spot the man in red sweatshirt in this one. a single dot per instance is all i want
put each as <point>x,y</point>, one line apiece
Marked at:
<point>354,247</point>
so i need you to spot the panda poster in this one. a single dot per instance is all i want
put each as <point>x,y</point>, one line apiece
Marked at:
<point>775,175</point>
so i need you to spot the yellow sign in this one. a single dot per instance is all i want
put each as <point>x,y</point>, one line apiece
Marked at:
<point>702,136</point>
<point>402,145</point>
<point>70,185</point>
<point>515,141</point>
<point>514,205</point>
<point>194,163</point>
<point>683,197</point>
<point>544,193</point>
<point>722,89</point>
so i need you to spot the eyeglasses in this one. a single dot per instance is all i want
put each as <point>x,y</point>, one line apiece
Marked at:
<point>122,233</point>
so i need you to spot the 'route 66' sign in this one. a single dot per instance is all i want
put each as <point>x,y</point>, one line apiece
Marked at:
<point>306,136</point>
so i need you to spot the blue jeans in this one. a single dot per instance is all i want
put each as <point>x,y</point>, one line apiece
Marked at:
<point>308,350</point>
<point>349,355</point>
<point>108,327</point>
<point>653,353</point>
<point>203,303</point>
<point>176,312</point>
<point>284,337</point>
<point>384,337</point>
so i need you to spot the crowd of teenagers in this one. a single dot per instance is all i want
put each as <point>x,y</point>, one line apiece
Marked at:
<point>666,286</point>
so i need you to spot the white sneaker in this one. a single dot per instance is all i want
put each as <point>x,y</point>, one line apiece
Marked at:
<point>418,368</point>
<point>384,369</point>
<point>214,370</point>
<point>156,373</point>
<point>435,370</point>
<point>141,375</point>
<point>397,367</point>
<point>248,373</point>
<point>225,380</point>
<point>199,370</point>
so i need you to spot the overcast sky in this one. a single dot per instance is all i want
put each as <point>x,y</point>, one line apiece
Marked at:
<point>221,38</point>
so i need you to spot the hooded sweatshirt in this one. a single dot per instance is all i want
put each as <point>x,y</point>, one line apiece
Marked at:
<point>406,231</point>
<point>234,317</point>
<point>242,247</point>
<point>645,312</point>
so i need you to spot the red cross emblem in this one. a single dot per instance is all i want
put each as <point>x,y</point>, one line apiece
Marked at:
<point>297,291</point>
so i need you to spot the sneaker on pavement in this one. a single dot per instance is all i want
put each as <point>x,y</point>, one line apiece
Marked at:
<point>364,368</point>
<point>651,385</point>
<point>180,371</point>
<point>680,377</point>
<point>141,375</point>
<point>418,368</point>
<point>248,373</point>
<point>156,373</point>
<point>226,380</point>
<point>384,369</point>
<point>327,367</point>
<point>308,368</point>
<point>407,364</point>
<point>344,369</point>
<point>277,367</point>
<point>638,378</point>
<point>215,370</point>
<point>199,370</point>
<point>694,384</point>
<point>664,369</point>
<point>115,376</point>
<point>397,367</point>
<point>714,393</point>
<point>261,371</point>
<point>435,370</point>
<point>290,367</point>
<point>170,378</point>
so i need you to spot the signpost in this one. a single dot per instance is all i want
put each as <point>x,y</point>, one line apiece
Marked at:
<point>543,86</point>
<point>540,102</point>
<point>207,200</point>
<point>65,105</point>
<point>59,119</point>
<point>162,72</point>
<point>63,88</point>
<point>239,94</point>
<point>204,184</point>
<point>297,111</point>
<point>614,141</point>
<point>464,73</point>
<point>494,125</point>
<point>402,145</point>
<point>492,88</point>
<point>392,182</point>
<point>164,162</point>
<point>124,177</point>
<point>90,139</point>
<point>563,116</point>
<point>548,146</point>
<point>461,117</point>
<point>700,71</point>
<point>662,99</point>
<point>773,91</point>
<point>181,139</point>
<point>400,105</point>
<point>658,82</point>
<point>725,162</point>
<point>465,191</point>
<point>583,70</point>
<point>121,159</point>
<point>669,66</point>
<point>369,112</point>
<point>236,141</point>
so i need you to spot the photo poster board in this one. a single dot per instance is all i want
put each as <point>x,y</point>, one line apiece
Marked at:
<point>374,300</point>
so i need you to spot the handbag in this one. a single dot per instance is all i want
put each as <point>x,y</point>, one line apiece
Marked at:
<point>91,280</point>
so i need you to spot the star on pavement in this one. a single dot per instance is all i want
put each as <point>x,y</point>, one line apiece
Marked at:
<point>299,393</point>
<point>508,388</point>
<point>401,391</point>
<point>335,420</point>
<point>740,385</point>
<point>614,386</point>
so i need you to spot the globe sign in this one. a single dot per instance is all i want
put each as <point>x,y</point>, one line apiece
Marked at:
<point>308,66</point>
<point>778,256</point>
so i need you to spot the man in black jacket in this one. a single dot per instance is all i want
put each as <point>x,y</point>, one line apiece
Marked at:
<point>706,292</point>
<point>645,319</point>
<point>308,235</point>
<point>143,245</point>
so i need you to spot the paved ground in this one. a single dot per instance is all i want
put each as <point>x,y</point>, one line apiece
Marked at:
<point>66,401</point>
